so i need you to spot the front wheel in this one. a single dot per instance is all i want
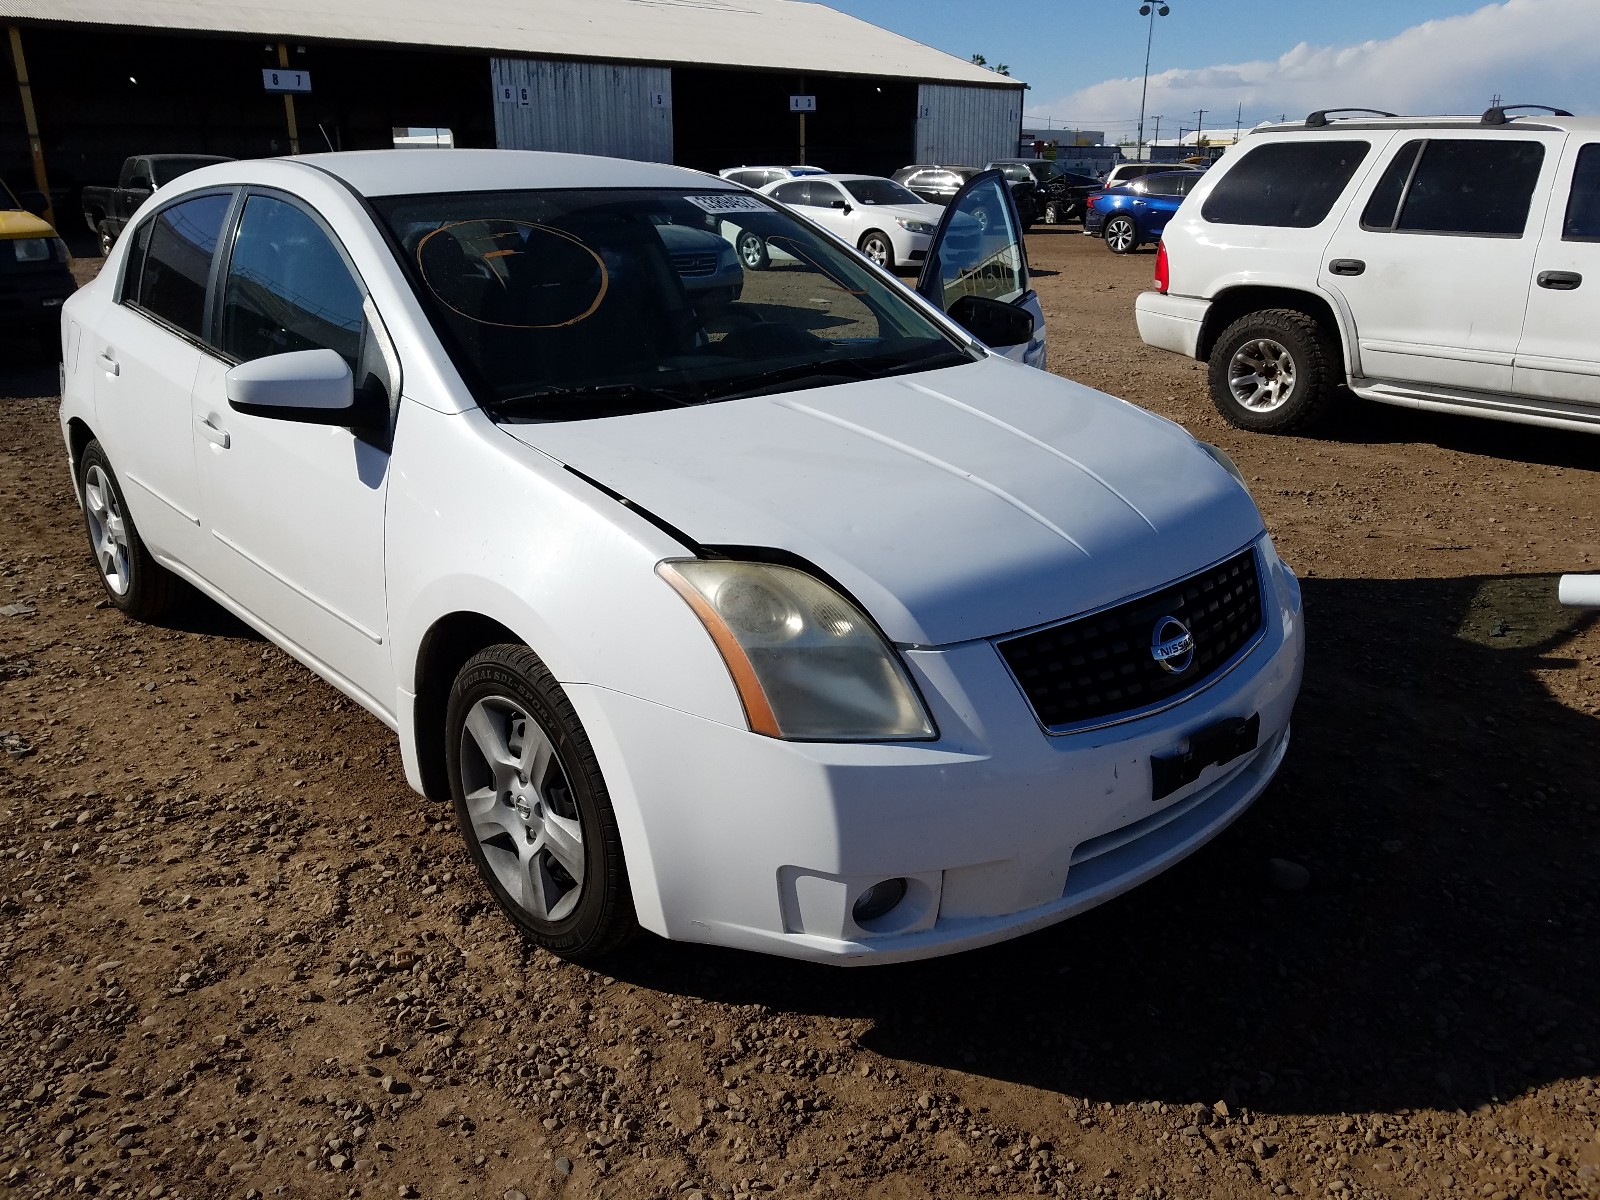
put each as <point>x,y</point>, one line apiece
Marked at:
<point>1122,237</point>
<point>752,251</point>
<point>533,806</point>
<point>108,237</point>
<point>1273,371</point>
<point>877,246</point>
<point>134,581</point>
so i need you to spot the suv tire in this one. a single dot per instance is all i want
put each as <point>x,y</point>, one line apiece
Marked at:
<point>1273,371</point>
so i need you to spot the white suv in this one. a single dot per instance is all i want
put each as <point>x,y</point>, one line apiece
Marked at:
<point>1429,262</point>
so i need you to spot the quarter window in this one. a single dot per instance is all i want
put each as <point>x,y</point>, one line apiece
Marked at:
<point>791,193</point>
<point>1288,185</point>
<point>1472,186</point>
<point>173,262</point>
<point>1582,223</point>
<point>288,287</point>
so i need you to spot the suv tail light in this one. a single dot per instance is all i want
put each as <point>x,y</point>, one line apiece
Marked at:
<point>1161,267</point>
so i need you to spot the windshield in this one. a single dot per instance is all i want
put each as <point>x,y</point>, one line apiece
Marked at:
<point>879,191</point>
<point>570,304</point>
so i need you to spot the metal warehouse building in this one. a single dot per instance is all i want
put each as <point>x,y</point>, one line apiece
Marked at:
<point>703,83</point>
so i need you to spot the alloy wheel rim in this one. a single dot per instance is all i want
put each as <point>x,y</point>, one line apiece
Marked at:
<point>750,250</point>
<point>1120,235</point>
<point>1261,375</point>
<point>108,530</point>
<point>876,250</point>
<point>522,813</point>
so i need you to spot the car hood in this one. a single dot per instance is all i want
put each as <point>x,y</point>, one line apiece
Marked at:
<point>14,223</point>
<point>684,238</point>
<point>953,504</point>
<point>931,213</point>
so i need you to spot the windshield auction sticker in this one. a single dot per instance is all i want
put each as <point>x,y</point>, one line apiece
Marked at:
<point>728,202</point>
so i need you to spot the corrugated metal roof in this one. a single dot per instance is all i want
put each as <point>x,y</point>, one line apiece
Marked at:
<point>786,35</point>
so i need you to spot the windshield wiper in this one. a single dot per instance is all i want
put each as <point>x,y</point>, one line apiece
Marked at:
<point>831,370</point>
<point>557,403</point>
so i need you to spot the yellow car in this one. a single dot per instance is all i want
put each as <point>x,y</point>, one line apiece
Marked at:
<point>34,280</point>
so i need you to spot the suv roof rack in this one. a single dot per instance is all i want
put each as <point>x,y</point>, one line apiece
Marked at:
<point>1497,114</point>
<point>1319,119</point>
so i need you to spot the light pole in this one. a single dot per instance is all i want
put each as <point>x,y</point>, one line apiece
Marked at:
<point>1152,10</point>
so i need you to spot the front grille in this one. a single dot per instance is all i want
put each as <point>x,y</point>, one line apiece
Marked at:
<point>689,265</point>
<point>1101,666</point>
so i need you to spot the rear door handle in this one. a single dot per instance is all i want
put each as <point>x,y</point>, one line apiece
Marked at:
<point>1347,266</point>
<point>108,364</point>
<point>217,437</point>
<point>1559,281</point>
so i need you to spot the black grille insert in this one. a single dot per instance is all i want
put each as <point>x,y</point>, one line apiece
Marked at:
<point>1101,665</point>
<point>695,264</point>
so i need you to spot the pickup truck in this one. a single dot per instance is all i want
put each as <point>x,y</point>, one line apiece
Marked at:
<point>107,209</point>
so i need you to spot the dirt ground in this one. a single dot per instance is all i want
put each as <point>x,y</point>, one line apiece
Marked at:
<point>238,958</point>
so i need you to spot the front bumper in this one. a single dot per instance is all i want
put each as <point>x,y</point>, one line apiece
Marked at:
<point>1171,322</point>
<point>998,828</point>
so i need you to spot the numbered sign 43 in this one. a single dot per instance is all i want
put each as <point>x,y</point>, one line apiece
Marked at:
<point>285,79</point>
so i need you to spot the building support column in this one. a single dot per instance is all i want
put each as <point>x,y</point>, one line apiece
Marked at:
<point>288,103</point>
<point>31,122</point>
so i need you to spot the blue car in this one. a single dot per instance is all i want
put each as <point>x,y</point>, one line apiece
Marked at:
<point>1129,216</point>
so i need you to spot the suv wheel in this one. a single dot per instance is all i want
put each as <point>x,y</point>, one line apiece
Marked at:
<point>533,806</point>
<point>1273,371</point>
<point>1121,236</point>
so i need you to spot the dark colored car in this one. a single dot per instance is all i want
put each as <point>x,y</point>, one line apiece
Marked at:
<point>937,183</point>
<point>1061,193</point>
<point>107,209</point>
<point>34,279</point>
<point>1128,217</point>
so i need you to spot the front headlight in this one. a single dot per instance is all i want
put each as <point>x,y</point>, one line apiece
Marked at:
<point>914,226</point>
<point>808,664</point>
<point>31,249</point>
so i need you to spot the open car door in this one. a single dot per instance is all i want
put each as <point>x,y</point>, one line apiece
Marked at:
<point>977,268</point>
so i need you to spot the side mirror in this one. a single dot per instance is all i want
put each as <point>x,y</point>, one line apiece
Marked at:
<point>993,322</point>
<point>312,386</point>
<point>843,205</point>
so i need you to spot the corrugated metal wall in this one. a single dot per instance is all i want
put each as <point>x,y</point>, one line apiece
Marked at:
<point>962,124</point>
<point>583,108</point>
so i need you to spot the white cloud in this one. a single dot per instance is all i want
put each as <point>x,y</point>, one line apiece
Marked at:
<point>1526,50</point>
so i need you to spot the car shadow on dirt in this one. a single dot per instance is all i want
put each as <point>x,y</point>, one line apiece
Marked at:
<point>28,367</point>
<point>1443,953</point>
<point>1357,421</point>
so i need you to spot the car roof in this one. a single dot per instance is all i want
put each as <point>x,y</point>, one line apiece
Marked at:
<point>420,172</point>
<point>1491,119</point>
<point>836,177</point>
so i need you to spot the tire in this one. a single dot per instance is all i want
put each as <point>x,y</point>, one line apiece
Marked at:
<point>752,251</point>
<point>108,237</point>
<point>1055,213</point>
<point>877,246</point>
<point>1122,235</point>
<point>533,807</point>
<point>1274,371</point>
<point>134,581</point>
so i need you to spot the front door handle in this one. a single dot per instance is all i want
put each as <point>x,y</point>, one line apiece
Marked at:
<point>1559,281</point>
<point>1347,266</point>
<point>217,437</point>
<point>108,364</point>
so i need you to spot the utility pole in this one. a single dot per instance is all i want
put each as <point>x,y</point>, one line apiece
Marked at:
<point>1199,125</point>
<point>1238,122</point>
<point>1155,141</point>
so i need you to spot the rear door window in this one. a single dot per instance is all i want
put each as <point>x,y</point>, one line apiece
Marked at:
<point>172,262</point>
<point>1582,222</point>
<point>1477,187</point>
<point>792,193</point>
<point>1289,185</point>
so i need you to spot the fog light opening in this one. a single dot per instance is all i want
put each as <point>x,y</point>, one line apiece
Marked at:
<point>878,901</point>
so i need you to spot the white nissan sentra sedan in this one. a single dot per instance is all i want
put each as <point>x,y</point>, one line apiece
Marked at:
<point>803,623</point>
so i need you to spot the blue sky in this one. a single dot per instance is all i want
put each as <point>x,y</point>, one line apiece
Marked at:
<point>1085,58</point>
